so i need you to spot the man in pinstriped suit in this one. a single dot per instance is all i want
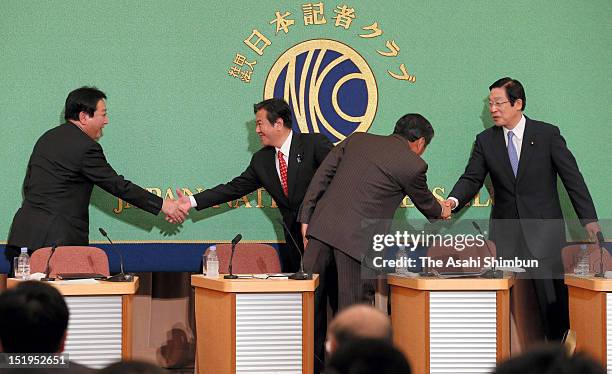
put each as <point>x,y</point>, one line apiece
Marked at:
<point>353,196</point>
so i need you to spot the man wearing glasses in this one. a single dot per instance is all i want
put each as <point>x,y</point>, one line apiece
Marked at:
<point>523,158</point>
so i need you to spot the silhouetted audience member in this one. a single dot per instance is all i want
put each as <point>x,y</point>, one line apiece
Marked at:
<point>132,367</point>
<point>34,319</point>
<point>552,359</point>
<point>357,321</point>
<point>367,356</point>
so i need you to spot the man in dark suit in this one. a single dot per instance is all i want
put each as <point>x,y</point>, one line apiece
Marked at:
<point>284,167</point>
<point>64,166</point>
<point>352,197</point>
<point>523,158</point>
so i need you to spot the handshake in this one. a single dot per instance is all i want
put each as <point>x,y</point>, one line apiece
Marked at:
<point>176,210</point>
<point>447,206</point>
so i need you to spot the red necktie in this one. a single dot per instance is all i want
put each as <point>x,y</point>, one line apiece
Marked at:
<point>282,166</point>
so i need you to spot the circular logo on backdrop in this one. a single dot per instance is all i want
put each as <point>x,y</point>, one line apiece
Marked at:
<point>329,87</point>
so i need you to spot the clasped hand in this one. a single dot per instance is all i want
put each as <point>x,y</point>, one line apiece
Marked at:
<point>176,210</point>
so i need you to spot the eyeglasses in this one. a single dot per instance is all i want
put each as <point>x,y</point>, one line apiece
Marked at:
<point>497,104</point>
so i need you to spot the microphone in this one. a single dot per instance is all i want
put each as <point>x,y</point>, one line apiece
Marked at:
<point>47,266</point>
<point>491,273</point>
<point>235,241</point>
<point>601,241</point>
<point>122,276</point>
<point>300,275</point>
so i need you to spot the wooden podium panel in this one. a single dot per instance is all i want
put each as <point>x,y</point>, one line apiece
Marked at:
<point>451,325</point>
<point>254,325</point>
<point>590,312</point>
<point>100,324</point>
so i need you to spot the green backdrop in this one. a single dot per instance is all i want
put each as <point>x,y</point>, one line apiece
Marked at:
<point>179,120</point>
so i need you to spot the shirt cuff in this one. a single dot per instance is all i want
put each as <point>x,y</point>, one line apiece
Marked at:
<point>455,201</point>
<point>193,201</point>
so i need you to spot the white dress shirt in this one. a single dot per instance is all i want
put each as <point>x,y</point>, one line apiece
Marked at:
<point>517,140</point>
<point>285,148</point>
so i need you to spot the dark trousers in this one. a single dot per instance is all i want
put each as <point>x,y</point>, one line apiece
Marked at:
<point>288,254</point>
<point>547,282</point>
<point>551,291</point>
<point>340,284</point>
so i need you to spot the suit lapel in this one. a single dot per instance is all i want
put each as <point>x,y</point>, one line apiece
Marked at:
<point>527,148</point>
<point>499,144</point>
<point>295,161</point>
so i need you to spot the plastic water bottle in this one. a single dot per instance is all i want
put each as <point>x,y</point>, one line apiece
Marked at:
<point>212,263</point>
<point>23,264</point>
<point>582,265</point>
<point>401,260</point>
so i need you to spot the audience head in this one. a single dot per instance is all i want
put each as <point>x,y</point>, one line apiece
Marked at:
<point>33,319</point>
<point>552,359</point>
<point>358,321</point>
<point>368,356</point>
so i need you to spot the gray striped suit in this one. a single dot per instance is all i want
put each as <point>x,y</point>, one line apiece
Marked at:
<point>352,196</point>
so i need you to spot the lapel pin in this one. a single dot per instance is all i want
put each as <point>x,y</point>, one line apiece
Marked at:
<point>532,143</point>
<point>299,158</point>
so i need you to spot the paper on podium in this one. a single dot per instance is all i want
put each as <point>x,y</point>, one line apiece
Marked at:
<point>511,269</point>
<point>263,276</point>
<point>271,276</point>
<point>407,274</point>
<point>37,276</point>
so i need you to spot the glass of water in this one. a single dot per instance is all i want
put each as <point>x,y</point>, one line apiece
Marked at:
<point>16,270</point>
<point>582,265</point>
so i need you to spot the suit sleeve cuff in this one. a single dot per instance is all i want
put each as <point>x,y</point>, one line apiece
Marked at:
<point>193,201</point>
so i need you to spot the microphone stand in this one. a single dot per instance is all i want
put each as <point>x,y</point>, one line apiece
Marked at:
<point>122,276</point>
<point>600,241</point>
<point>231,263</point>
<point>490,273</point>
<point>47,277</point>
<point>301,274</point>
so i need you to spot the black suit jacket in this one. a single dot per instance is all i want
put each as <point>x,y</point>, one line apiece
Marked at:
<point>63,167</point>
<point>532,195</point>
<point>357,189</point>
<point>305,155</point>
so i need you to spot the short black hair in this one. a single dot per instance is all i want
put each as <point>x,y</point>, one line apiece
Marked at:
<point>33,318</point>
<point>275,108</point>
<point>514,90</point>
<point>365,356</point>
<point>413,126</point>
<point>84,99</point>
<point>549,359</point>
